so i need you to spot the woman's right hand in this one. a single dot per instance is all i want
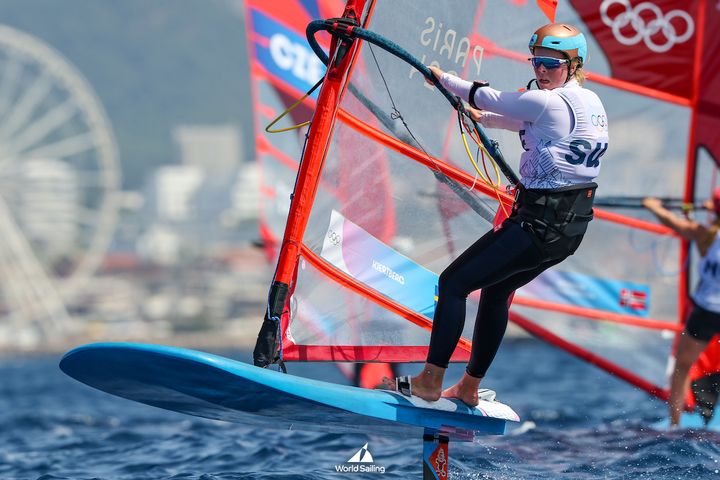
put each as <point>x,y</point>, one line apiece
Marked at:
<point>436,71</point>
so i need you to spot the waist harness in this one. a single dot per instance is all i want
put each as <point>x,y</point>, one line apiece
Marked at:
<point>565,211</point>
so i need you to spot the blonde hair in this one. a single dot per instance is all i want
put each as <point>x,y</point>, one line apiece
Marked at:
<point>579,74</point>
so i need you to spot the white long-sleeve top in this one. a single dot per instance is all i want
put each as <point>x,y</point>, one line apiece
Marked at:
<point>564,131</point>
<point>707,293</point>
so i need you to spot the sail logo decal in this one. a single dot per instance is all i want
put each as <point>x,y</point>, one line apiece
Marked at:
<point>356,252</point>
<point>296,58</point>
<point>572,288</point>
<point>646,22</point>
<point>334,237</point>
<point>440,462</point>
<point>634,299</point>
<point>285,54</point>
<point>388,272</point>
<point>361,462</point>
<point>447,45</point>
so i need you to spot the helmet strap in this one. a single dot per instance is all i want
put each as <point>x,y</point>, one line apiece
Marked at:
<point>569,65</point>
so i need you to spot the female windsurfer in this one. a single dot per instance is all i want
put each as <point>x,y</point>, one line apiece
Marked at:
<point>564,132</point>
<point>704,320</point>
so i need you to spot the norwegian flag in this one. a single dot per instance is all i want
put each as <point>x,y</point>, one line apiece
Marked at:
<point>635,299</point>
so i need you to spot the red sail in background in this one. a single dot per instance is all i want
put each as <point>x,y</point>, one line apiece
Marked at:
<point>646,43</point>
<point>709,361</point>
<point>283,68</point>
<point>707,93</point>
<point>665,45</point>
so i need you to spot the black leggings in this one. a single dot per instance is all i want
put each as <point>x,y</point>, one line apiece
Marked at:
<point>498,263</point>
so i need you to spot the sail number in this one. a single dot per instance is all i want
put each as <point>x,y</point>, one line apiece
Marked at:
<point>583,152</point>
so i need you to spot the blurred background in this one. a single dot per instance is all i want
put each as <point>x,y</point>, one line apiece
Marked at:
<point>128,189</point>
<point>132,208</point>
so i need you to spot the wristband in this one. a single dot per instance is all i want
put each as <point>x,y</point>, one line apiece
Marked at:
<point>473,89</point>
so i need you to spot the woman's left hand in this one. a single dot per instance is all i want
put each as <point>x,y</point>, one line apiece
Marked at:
<point>651,203</point>
<point>436,71</point>
<point>475,114</point>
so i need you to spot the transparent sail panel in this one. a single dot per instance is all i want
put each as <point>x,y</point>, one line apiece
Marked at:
<point>641,352</point>
<point>324,315</point>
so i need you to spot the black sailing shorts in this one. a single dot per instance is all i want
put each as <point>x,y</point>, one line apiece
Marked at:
<point>702,324</point>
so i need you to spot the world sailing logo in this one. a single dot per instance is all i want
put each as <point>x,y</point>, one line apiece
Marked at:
<point>362,456</point>
<point>361,462</point>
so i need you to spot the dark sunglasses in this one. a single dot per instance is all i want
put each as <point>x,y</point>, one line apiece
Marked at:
<point>548,62</point>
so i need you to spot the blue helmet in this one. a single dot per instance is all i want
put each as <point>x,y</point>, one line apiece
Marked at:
<point>561,37</point>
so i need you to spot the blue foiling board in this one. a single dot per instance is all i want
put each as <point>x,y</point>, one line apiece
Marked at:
<point>210,386</point>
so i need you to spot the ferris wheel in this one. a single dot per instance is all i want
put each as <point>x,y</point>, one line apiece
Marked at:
<point>59,187</point>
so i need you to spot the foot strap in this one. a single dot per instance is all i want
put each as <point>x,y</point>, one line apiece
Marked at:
<point>486,394</point>
<point>404,385</point>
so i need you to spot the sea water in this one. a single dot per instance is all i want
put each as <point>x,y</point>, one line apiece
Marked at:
<point>577,423</point>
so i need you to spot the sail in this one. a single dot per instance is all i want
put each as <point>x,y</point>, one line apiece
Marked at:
<point>356,285</point>
<point>327,322</point>
<point>283,68</point>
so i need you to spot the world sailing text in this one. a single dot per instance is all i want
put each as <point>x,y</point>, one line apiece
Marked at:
<point>388,272</point>
<point>372,468</point>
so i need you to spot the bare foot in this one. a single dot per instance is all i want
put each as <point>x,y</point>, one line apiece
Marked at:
<point>468,398</point>
<point>466,390</point>
<point>427,385</point>
<point>426,388</point>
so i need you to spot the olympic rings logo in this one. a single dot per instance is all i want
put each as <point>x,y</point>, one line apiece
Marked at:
<point>646,31</point>
<point>599,121</point>
<point>334,238</point>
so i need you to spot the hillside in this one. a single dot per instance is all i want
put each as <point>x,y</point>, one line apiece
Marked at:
<point>154,64</point>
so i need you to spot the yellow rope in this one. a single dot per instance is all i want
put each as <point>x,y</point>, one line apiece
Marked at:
<point>474,163</point>
<point>290,109</point>
<point>269,128</point>
<point>485,178</point>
